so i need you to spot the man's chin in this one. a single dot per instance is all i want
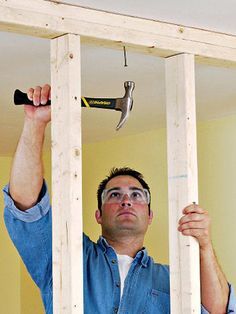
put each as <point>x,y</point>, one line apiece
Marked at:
<point>128,225</point>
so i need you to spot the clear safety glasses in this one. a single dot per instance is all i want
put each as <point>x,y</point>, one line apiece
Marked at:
<point>116,195</point>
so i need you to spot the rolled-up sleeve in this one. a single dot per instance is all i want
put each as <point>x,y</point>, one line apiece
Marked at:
<point>203,310</point>
<point>31,233</point>
<point>232,301</point>
<point>32,214</point>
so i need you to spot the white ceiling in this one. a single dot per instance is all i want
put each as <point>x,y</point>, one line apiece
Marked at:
<point>25,62</point>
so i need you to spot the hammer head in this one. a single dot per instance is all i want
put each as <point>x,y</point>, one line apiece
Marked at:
<point>125,104</point>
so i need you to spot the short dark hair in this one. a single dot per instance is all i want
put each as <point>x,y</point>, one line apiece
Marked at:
<point>115,172</point>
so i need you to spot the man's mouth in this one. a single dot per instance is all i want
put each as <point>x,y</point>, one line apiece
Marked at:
<point>126,213</point>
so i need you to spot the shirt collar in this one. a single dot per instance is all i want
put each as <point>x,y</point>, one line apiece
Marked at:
<point>141,257</point>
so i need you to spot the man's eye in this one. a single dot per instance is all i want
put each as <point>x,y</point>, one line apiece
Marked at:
<point>114,195</point>
<point>137,194</point>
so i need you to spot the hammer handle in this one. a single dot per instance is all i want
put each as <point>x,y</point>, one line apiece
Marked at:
<point>21,98</point>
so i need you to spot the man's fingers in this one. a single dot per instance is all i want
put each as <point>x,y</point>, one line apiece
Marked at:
<point>40,95</point>
<point>196,223</point>
<point>45,94</point>
<point>193,225</point>
<point>30,93</point>
<point>37,95</point>
<point>193,217</point>
<point>193,208</point>
<point>197,233</point>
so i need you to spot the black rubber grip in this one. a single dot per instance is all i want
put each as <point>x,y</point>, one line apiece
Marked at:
<point>21,98</point>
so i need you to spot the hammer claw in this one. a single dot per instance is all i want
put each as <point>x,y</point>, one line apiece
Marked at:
<point>125,104</point>
<point>126,108</point>
<point>122,121</point>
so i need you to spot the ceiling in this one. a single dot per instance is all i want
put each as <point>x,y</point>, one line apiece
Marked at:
<point>25,63</point>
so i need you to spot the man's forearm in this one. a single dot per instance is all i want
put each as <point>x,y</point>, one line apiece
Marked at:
<point>27,170</point>
<point>214,286</point>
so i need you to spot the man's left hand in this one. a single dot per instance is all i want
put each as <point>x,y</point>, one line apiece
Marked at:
<point>196,223</point>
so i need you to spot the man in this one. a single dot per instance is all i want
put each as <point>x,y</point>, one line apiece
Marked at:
<point>119,276</point>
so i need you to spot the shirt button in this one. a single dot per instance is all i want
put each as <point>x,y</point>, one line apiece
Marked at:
<point>116,310</point>
<point>113,261</point>
<point>118,285</point>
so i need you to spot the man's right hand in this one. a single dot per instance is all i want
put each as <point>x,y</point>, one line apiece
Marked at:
<point>39,95</point>
<point>27,169</point>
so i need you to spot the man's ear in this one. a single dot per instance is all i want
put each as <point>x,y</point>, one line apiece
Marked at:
<point>98,216</point>
<point>150,217</point>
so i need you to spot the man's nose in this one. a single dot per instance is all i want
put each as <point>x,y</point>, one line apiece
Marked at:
<point>126,201</point>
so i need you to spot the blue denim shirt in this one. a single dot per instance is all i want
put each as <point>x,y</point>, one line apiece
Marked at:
<point>146,288</point>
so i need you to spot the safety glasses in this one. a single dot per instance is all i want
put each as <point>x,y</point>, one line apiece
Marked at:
<point>116,195</point>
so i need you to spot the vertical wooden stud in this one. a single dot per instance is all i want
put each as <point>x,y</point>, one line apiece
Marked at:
<point>182,182</point>
<point>66,175</point>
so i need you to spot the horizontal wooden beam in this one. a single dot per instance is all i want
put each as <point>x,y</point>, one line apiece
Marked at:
<point>49,19</point>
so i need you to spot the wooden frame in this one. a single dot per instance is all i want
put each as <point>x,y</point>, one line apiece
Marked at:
<point>50,19</point>
<point>63,23</point>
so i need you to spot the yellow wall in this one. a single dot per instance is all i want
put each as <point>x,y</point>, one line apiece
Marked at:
<point>217,186</point>
<point>9,260</point>
<point>147,153</point>
<point>33,301</point>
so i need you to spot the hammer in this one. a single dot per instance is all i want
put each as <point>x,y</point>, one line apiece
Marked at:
<point>124,104</point>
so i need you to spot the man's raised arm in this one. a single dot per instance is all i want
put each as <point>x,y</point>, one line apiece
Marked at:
<point>26,178</point>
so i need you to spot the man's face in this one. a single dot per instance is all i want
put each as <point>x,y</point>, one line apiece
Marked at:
<point>125,216</point>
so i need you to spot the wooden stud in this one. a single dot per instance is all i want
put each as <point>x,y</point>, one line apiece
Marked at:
<point>66,175</point>
<point>182,182</point>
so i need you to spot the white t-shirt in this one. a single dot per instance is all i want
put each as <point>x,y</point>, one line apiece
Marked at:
<point>124,263</point>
